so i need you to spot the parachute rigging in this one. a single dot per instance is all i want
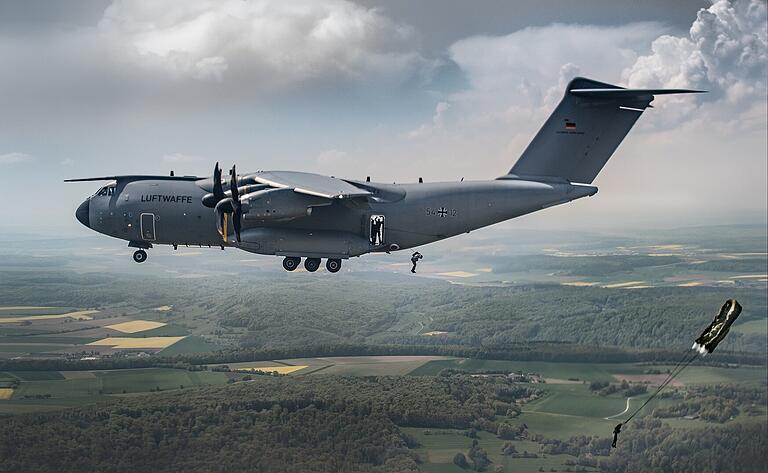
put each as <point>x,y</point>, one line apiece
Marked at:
<point>704,345</point>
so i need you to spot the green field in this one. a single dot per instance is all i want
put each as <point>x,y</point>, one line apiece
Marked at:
<point>191,344</point>
<point>753,327</point>
<point>576,400</point>
<point>36,375</point>
<point>438,447</point>
<point>169,330</point>
<point>597,371</point>
<point>96,386</point>
<point>31,347</point>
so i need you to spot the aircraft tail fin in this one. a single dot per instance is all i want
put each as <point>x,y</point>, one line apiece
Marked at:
<point>584,130</point>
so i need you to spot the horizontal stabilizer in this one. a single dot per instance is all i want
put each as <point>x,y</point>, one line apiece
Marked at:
<point>621,93</point>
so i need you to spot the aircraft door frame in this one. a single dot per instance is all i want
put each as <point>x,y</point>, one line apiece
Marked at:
<point>147,231</point>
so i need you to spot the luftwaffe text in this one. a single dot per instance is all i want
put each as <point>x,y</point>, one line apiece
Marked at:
<point>180,199</point>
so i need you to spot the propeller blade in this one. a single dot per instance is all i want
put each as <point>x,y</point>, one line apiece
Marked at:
<point>218,192</point>
<point>236,225</point>
<point>210,200</point>
<point>237,208</point>
<point>233,185</point>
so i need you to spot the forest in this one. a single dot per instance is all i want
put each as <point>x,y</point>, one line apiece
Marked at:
<point>311,424</point>
<point>345,424</point>
<point>275,313</point>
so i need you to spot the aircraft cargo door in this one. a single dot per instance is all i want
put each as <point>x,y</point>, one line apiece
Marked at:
<point>148,227</point>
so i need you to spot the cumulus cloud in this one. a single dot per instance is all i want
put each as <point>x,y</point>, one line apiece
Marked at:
<point>14,158</point>
<point>725,52</point>
<point>272,43</point>
<point>188,52</point>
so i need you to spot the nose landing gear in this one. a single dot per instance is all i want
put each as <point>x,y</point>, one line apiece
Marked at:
<point>140,256</point>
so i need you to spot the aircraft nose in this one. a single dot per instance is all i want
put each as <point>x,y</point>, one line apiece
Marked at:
<point>82,213</point>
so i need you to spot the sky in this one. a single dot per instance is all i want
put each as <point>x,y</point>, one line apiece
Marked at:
<point>395,90</point>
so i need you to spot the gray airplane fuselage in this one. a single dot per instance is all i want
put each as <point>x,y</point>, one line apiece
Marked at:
<point>303,215</point>
<point>414,215</point>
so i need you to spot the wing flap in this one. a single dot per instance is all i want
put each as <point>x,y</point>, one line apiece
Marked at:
<point>310,184</point>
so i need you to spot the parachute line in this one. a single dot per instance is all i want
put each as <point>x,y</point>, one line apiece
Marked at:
<point>679,367</point>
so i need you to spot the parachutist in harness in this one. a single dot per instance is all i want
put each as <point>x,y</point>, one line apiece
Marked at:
<point>616,432</point>
<point>704,345</point>
<point>415,259</point>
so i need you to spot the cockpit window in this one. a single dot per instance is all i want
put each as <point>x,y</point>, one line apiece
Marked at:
<point>106,190</point>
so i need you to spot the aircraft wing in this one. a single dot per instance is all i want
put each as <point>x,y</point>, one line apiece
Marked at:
<point>136,177</point>
<point>309,184</point>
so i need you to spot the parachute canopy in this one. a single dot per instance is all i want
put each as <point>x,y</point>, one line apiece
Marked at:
<point>718,329</point>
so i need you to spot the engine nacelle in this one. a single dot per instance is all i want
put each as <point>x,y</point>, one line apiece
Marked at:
<point>278,204</point>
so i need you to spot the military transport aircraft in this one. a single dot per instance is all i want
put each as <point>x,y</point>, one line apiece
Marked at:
<point>301,215</point>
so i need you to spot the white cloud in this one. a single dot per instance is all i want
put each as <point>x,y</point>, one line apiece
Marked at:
<point>270,43</point>
<point>725,52</point>
<point>438,121</point>
<point>146,57</point>
<point>14,158</point>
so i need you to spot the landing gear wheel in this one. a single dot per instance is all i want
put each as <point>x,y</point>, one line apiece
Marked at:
<point>140,256</point>
<point>311,264</point>
<point>333,265</point>
<point>290,263</point>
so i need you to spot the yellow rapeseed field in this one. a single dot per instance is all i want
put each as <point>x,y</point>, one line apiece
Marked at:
<point>77,315</point>
<point>6,393</point>
<point>135,326</point>
<point>270,369</point>
<point>127,342</point>
<point>623,284</point>
<point>458,274</point>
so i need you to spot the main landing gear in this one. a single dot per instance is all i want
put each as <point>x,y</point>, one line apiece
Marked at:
<point>311,264</point>
<point>140,256</point>
<point>290,263</point>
